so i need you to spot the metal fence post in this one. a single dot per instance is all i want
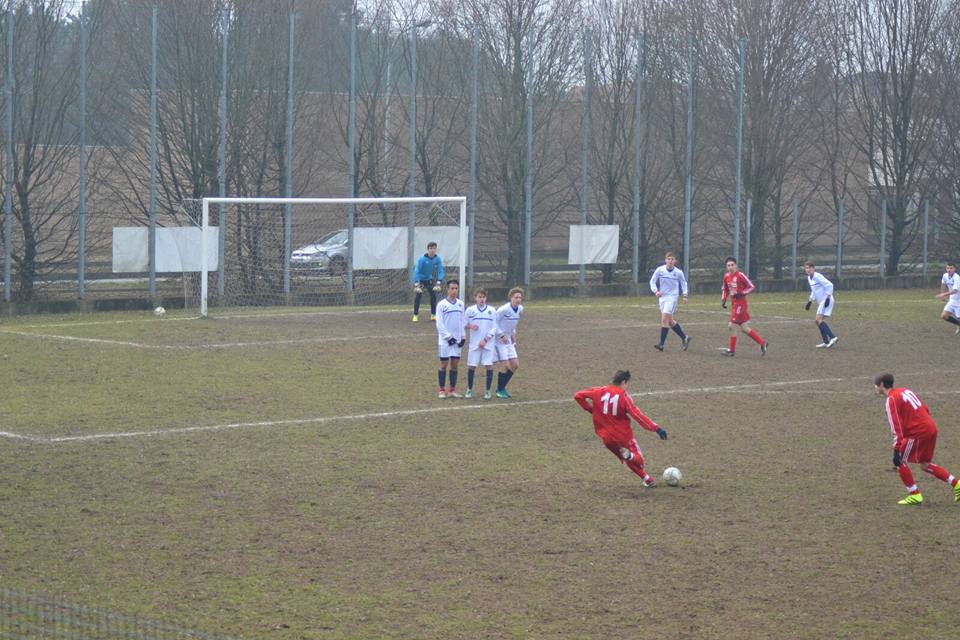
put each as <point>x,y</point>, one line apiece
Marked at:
<point>474,98</point>
<point>585,139</point>
<point>746,244</point>
<point>8,149</point>
<point>883,239</point>
<point>412,167</point>
<point>152,206</point>
<point>839,269</point>
<point>926,234</point>
<point>635,257</point>
<point>288,168</point>
<point>736,211</point>
<point>222,155</point>
<point>528,183</point>
<point>794,238</point>
<point>688,183</point>
<point>351,153</point>
<point>82,222</point>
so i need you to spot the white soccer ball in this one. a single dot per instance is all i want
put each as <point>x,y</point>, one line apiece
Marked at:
<point>672,476</point>
<point>159,311</point>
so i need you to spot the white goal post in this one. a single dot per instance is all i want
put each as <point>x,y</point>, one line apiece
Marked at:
<point>406,224</point>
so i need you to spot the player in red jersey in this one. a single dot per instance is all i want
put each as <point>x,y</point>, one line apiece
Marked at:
<point>914,437</point>
<point>612,407</point>
<point>737,286</point>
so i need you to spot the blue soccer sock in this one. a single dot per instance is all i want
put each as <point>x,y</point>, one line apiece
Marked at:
<point>489,378</point>
<point>453,378</point>
<point>470,373</point>
<point>952,320</point>
<point>500,376</point>
<point>442,377</point>
<point>506,378</point>
<point>679,331</point>
<point>825,328</point>
<point>663,335</point>
<point>823,332</point>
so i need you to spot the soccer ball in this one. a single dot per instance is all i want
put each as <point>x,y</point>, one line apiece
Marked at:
<point>672,476</point>
<point>159,311</point>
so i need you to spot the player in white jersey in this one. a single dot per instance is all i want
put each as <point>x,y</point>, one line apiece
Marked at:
<point>821,290</point>
<point>508,317</point>
<point>450,338</point>
<point>950,291</point>
<point>668,283</point>
<point>481,320</point>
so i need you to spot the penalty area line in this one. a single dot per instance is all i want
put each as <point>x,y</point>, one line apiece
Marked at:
<point>293,422</point>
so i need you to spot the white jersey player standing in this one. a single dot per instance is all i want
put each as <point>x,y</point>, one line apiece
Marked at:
<point>950,291</point>
<point>508,317</point>
<point>821,291</point>
<point>481,320</point>
<point>450,338</point>
<point>668,283</point>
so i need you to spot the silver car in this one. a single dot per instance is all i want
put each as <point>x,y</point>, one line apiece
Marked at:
<point>328,254</point>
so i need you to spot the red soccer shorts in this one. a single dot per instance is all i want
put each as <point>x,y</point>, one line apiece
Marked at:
<point>615,445</point>
<point>738,312</point>
<point>919,450</point>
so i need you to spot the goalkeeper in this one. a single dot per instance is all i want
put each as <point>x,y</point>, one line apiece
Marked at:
<point>427,276</point>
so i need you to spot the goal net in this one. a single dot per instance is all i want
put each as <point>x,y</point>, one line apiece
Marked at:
<point>321,251</point>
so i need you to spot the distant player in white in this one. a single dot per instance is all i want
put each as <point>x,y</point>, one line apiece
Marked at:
<point>450,338</point>
<point>668,283</point>
<point>821,290</point>
<point>950,288</point>
<point>481,320</point>
<point>508,317</point>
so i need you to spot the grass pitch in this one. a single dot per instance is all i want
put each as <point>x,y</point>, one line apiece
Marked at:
<point>294,476</point>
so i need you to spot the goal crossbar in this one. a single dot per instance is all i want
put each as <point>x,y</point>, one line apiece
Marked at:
<point>205,223</point>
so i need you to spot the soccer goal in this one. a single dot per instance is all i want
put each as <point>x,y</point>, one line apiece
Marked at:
<point>322,251</point>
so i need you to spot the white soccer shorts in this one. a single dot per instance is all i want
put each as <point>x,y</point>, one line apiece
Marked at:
<point>954,308</point>
<point>480,356</point>
<point>449,351</point>
<point>668,304</point>
<point>826,312</point>
<point>506,351</point>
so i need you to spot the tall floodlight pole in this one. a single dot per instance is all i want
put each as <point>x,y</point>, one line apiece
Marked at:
<point>288,168</point>
<point>387,90</point>
<point>585,138</point>
<point>222,153</point>
<point>412,168</point>
<point>637,86</point>
<point>351,152</point>
<point>472,194</point>
<point>736,209</point>
<point>528,185</point>
<point>8,150</point>
<point>688,186</point>
<point>152,205</point>
<point>82,231</point>
<point>746,244</point>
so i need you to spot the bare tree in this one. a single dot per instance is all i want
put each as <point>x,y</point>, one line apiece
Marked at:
<point>890,52</point>
<point>45,102</point>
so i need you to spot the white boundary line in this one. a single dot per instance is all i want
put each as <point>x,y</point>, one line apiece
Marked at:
<point>389,414</point>
<point>268,343</point>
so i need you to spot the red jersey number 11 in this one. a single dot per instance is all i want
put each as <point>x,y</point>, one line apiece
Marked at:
<point>610,402</point>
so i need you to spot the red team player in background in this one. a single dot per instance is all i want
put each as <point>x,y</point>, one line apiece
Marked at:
<point>612,407</point>
<point>737,285</point>
<point>914,437</point>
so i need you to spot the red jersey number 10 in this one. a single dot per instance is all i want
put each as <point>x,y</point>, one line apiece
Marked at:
<point>610,402</point>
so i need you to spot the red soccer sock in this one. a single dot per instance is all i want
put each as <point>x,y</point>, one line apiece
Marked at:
<point>755,336</point>
<point>733,344</point>
<point>907,477</point>
<point>637,469</point>
<point>938,472</point>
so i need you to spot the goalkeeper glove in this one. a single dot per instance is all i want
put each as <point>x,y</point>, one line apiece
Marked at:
<point>737,296</point>
<point>662,433</point>
<point>807,306</point>
<point>418,288</point>
<point>826,303</point>
<point>462,340</point>
<point>451,341</point>
<point>436,287</point>
<point>723,304</point>
<point>897,457</point>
